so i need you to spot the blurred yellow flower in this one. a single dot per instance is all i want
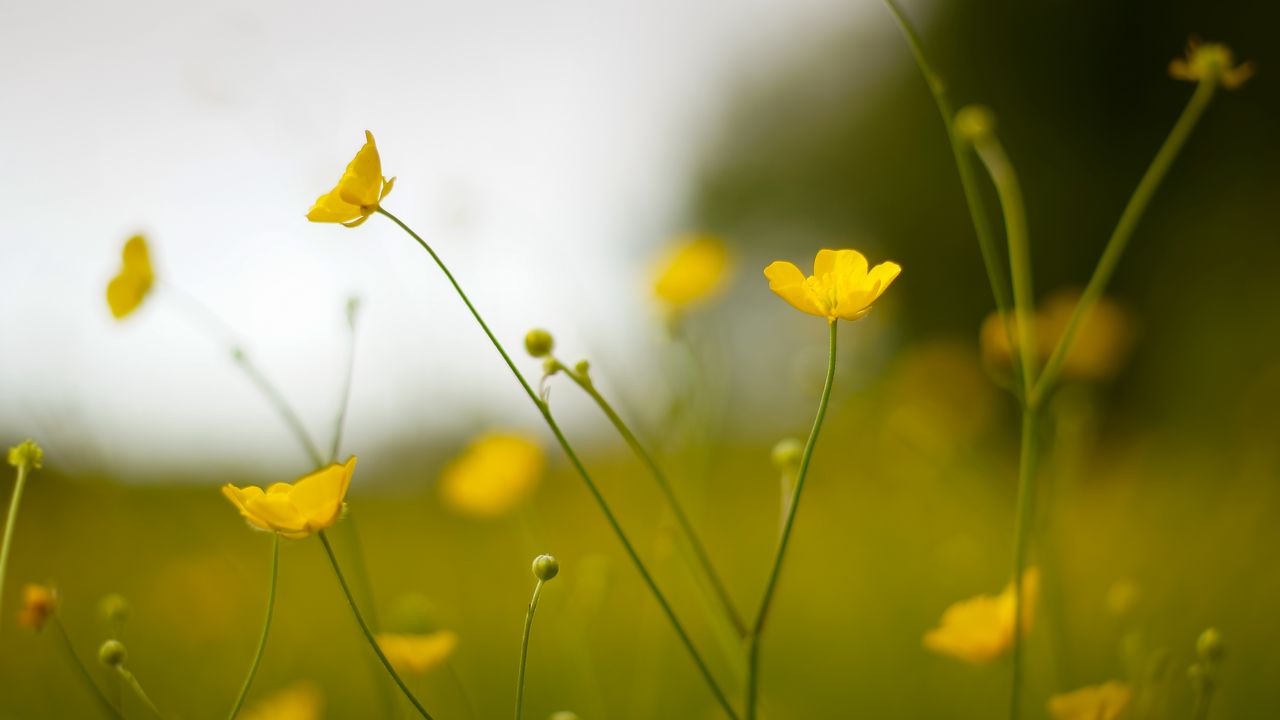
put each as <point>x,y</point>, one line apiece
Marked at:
<point>418,653</point>
<point>980,629</point>
<point>1101,344</point>
<point>302,701</point>
<point>840,288</point>
<point>27,453</point>
<point>359,191</point>
<point>1097,702</point>
<point>1210,60</point>
<point>38,603</point>
<point>492,475</point>
<point>310,504</point>
<point>692,270</point>
<point>130,286</point>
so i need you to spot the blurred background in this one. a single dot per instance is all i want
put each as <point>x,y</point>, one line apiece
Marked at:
<point>550,153</point>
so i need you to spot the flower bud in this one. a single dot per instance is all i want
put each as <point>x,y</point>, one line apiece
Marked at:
<point>974,123</point>
<point>26,454</point>
<point>545,567</point>
<point>1209,646</point>
<point>551,366</point>
<point>539,342</point>
<point>582,367</point>
<point>787,454</point>
<point>39,602</point>
<point>112,653</point>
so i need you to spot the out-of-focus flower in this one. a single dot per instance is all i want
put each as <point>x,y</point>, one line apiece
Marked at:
<point>418,653</point>
<point>310,504</point>
<point>1096,702</point>
<point>38,604</point>
<point>840,288</point>
<point>693,270</point>
<point>303,701</point>
<point>1210,61</point>
<point>1122,597</point>
<point>980,629</point>
<point>27,453</point>
<point>1101,345</point>
<point>492,475</point>
<point>358,193</point>
<point>130,286</point>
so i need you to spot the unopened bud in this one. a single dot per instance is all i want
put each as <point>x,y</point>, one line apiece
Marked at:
<point>1209,646</point>
<point>787,454</point>
<point>545,567</point>
<point>539,342</point>
<point>112,653</point>
<point>974,123</point>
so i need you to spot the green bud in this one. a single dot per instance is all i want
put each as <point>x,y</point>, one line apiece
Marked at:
<point>551,366</point>
<point>974,123</point>
<point>112,653</point>
<point>1209,646</point>
<point>26,454</point>
<point>545,567</point>
<point>582,367</point>
<point>539,342</point>
<point>787,454</point>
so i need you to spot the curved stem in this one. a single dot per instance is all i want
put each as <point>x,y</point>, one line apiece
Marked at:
<point>1021,535</point>
<point>14,501</point>
<point>753,663</point>
<point>353,307</point>
<point>581,469</point>
<point>677,510</point>
<point>136,686</point>
<point>524,648</point>
<point>1128,222</point>
<point>82,671</point>
<point>282,406</point>
<point>364,627</point>
<point>266,628</point>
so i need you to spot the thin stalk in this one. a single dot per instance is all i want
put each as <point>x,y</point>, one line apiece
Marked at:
<point>266,629</point>
<point>24,469</point>
<point>581,469</point>
<point>82,671</point>
<point>1128,222</point>
<point>1200,710</point>
<point>462,689</point>
<point>757,629</point>
<point>364,628</point>
<point>1021,535</point>
<point>524,648</point>
<point>282,406</point>
<point>353,307</point>
<point>682,518</point>
<point>132,682</point>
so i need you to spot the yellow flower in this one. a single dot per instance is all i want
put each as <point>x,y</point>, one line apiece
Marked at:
<point>302,701</point>
<point>492,475</point>
<point>840,287</point>
<point>1097,702</point>
<point>27,453</point>
<point>310,504</point>
<point>417,653</point>
<point>692,271</point>
<point>38,603</point>
<point>130,286</point>
<point>1101,345</point>
<point>980,629</point>
<point>1210,61</point>
<point>358,193</point>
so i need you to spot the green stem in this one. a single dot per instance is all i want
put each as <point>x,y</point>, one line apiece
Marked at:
<point>266,629</point>
<point>753,663</point>
<point>682,518</point>
<point>82,671</point>
<point>1204,694</point>
<point>1021,535</point>
<point>364,628</point>
<point>524,648</point>
<point>1119,240</point>
<point>462,689</point>
<point>345,401</point>
<point>14,501</point>
<point>136,686</point>
<point>964,166</point>
<point>1009,191</point>
<point>282,406</point>
<point>581,469</point>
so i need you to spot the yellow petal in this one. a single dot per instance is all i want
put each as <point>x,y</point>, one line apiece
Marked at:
<point>330,207</point>
<point>1097,702</point>
<point>126,292</point>
<point>692,271</point>
<point>319,495</point>
<point>496,472</point>
<point>277,512</point>
<point>362,182</point>
<point>303,701</point>
<point>847,265</point>
<point>788,282</point>
<point>417,653</point>
<point>135,255</point>
<point>240,498</point>
<point>386,188</point>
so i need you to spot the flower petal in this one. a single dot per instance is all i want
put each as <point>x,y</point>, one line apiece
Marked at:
<point>788,282</point>
<point>277,512</point>
<point>318,496</point>
<point>362,182</point>
<point>240,498</point>
<point>332,208</point>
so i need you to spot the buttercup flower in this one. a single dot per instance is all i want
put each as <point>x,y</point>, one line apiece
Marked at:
<point>492,475</point>
<point>310,504</point>
<point>358,193</point>
<point>303,701</point>
<point>418,653</point>
<point>38,603</point>
<point>1097,702</point>
<point>1099,351</point>
<point>1210,60</point>
<point>980,629</point>
<point>840,288</point>
<point>692,270</point>
<point>27,453</point>
<point>130,286</point>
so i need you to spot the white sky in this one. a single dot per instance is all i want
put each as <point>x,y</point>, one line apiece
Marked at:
<point>544,148</point>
